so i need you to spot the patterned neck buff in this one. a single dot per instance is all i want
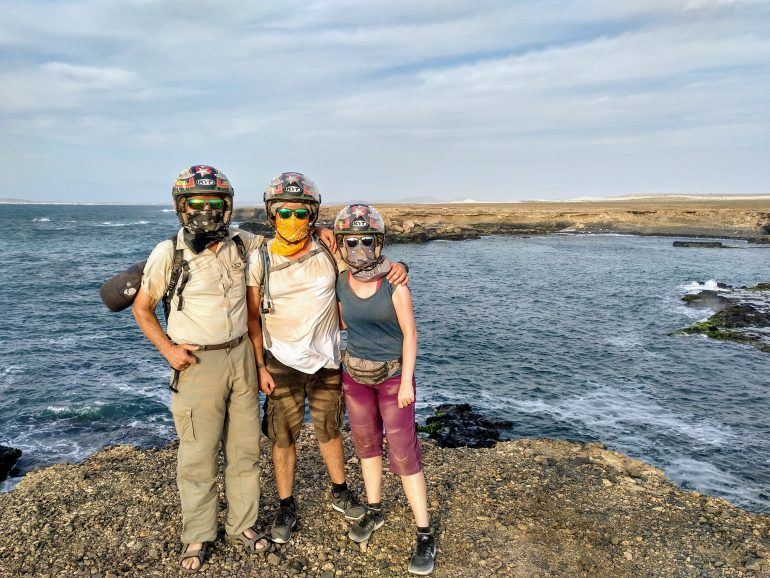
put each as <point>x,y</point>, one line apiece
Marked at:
<point>292,236</point>
<point>199,241</point>
<point>372,273</point>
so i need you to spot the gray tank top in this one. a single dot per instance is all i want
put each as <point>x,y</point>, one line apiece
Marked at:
<point>373,329</point>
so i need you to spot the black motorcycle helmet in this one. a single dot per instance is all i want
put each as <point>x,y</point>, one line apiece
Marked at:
<point>291,188</point>
<point>202,180</point>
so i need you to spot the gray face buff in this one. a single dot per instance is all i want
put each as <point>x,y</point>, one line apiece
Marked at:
<point>205,221</point>
<point>204,228</point>
<point>361,255</point>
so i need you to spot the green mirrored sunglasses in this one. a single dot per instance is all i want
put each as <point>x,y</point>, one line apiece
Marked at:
<point>299,213</point>
<point>197,204</point>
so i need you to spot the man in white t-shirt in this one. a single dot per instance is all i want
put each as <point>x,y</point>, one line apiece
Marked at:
<point>297,324</point>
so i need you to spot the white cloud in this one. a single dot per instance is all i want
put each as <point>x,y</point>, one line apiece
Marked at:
<point>611,97</point>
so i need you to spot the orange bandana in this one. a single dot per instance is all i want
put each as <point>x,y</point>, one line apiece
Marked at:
<point>292,236</point>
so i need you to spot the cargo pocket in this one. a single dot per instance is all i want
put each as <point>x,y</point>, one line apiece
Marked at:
<point>268,419</point>
<point>183,421</point>
<point>340,410</point>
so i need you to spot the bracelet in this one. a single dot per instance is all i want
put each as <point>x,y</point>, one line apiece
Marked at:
<point>260,365</point>
<point>405,266</point>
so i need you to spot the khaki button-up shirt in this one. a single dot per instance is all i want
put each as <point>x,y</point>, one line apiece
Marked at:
<point>214,309</point>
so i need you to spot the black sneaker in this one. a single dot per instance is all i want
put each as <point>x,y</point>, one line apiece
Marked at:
<point>361,531</point>
<point>424,555</point>
<point>346,503</point>
<point>285,523</point>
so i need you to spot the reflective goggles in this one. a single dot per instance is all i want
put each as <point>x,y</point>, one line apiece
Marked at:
<point>197,204</point>
<point>367,241</point>
<point>299,213</point>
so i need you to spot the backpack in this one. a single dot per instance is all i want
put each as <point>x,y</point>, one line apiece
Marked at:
<point>181,268</point>
<point>119,291</point>
<point>266,304</point>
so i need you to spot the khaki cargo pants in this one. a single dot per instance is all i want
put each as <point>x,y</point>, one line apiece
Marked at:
<point>218,400</point>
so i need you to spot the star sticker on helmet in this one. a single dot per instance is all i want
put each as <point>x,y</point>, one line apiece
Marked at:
<point>359,211</point>
<point>202,171</point>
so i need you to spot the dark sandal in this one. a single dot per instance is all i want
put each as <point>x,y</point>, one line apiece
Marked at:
<point>202,555</point>
<point>250,544</point>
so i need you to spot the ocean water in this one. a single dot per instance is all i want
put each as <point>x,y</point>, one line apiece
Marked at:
<point>564,335</point>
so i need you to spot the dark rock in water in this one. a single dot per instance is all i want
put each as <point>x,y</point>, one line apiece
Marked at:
<point>699,244</point>
<point>741,315</point>
<point>8,457</point>
<point>707,299</point>
<point>458,425</point>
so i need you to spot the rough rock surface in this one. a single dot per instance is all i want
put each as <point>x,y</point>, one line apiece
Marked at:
<point>522,508</point>
<point>456,425</point>
<point>741,315</point>
<point>8,457</point>
<point>737,218</point>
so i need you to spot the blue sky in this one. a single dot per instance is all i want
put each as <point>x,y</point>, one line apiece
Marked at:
<point>108,101</point>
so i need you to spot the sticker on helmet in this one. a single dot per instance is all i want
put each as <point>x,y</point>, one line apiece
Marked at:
<point>203,170</point>
<point>358,223</point>
<point>205,182</point>
<point>293,189</point>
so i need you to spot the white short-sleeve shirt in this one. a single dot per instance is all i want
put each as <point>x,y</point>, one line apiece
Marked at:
<point>304,323</point>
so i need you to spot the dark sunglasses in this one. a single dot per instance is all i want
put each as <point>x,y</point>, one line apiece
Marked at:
<point>299,213</point>
<point>198,204</point>
<point>353,241</point>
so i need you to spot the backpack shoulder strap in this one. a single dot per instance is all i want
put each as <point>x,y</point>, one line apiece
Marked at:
<point>266,304</point>
<point>241,247</point>
<point>329,254</point>
<point>180,274</point>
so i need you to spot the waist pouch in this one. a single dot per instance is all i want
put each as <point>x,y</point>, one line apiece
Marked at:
<point>369,372</point>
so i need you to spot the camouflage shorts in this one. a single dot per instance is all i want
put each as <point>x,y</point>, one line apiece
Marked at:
<point>284,409</point>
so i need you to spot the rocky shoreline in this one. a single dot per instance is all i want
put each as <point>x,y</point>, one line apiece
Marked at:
<point>665,216</point>
<point>521,508</point>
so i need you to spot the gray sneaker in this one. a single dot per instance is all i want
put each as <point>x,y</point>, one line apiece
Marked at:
<point>361,531</point>
<point>346,503</point>
<point>424,555</point>
<point>285,523</point>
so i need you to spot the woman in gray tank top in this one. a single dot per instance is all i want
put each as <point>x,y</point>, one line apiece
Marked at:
<point>378,375</point>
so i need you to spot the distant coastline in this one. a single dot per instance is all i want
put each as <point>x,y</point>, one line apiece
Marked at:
<point>744,217</point>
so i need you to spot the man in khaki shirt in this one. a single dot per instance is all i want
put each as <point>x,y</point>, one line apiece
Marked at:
<point>215,388</point>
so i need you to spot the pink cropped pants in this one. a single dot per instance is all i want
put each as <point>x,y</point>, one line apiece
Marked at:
<point>370,407</point>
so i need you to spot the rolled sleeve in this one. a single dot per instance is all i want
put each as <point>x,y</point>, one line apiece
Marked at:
<point>157,271</point>
<point>254,273</point>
